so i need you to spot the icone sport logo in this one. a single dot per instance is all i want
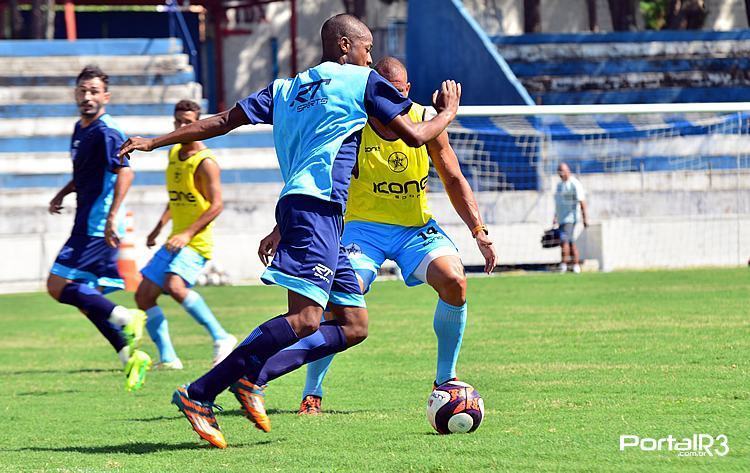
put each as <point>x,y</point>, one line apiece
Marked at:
<point>181,197</point>
<point>398,161</point>
<point>353,249</point>
<point>411,188</point>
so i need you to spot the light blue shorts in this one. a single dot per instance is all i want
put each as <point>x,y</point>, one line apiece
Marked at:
<point>186,263</point>
<point>369,244</point>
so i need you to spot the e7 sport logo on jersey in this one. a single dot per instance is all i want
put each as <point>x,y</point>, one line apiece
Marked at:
<point>312,89</point>
<point>699,445</point>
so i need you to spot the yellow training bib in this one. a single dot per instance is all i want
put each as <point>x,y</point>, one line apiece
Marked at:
<point>186,203</point>
<point>389,182</point>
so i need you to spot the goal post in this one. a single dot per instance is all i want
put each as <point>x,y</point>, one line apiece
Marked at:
<point>667,185</point>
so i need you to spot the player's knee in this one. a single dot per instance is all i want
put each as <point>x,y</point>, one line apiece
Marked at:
<point>305,322</point>
<point>176,288</point>
<point>358,332</point>
<point>143,299</point>
<point>54,288</point>
<point>354,323</point>
<point>453,288</point>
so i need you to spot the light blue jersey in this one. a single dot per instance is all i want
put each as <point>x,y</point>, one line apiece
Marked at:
<point>318,116</point>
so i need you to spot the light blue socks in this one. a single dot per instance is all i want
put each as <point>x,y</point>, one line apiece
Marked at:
<point>198,309</point>
<point>316,371</point>
<point>158,329</point>
<point>449,324</point>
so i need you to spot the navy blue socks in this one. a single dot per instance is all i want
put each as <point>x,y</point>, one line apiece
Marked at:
<point>327,340</point>
<point>265,341</point>
<point>96,307</point>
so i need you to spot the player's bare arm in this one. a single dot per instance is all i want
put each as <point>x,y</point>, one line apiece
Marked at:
<point>219,124</point>
<point>584,213</point>
<point>55,205</point>
<point>208,182</point>
<point>462,197</point>
<point>122,185</point>
<point>446,103</point>
<point>166,216</point>
<point>268,245</point>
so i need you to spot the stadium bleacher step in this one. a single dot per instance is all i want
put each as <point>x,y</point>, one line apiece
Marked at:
<point>121,94</point>
<point>56,66</point>
<point>631,67</point>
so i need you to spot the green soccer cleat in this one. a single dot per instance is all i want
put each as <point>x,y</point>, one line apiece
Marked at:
<point>135,370</point>
<point>133,331</point>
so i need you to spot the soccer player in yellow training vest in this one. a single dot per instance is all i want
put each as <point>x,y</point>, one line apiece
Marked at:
<point>388,217</point>
<point>194,188</point>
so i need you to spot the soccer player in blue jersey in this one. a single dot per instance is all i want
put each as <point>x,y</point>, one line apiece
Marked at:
<point>87,264</point>
<point>388,217</point>
<point>318,116</point>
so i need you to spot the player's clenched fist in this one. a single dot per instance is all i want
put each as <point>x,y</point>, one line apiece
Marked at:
<point>448,97</point>
<point>136,143</point>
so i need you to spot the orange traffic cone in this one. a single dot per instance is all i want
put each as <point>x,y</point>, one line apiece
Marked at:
<point>126,256</point>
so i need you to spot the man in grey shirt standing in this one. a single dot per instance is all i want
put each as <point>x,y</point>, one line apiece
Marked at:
<point>568,195</point>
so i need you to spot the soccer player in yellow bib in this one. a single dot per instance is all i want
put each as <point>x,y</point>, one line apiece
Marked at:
<point>388,217</point>
<point>194,189</point>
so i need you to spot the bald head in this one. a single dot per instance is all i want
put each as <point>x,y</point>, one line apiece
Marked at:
<point>563,170</point>
<point>389,67</point>
<point>394,72</point>
<point>346,40</point>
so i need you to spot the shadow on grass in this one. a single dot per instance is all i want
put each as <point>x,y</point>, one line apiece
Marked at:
<point>239,412</point>
<point>155,419</point>
<point>140,448</point>
<point>84,370</point>
<point>48,393</point>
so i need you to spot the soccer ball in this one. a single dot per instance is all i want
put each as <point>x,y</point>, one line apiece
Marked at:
<point>455,407</point>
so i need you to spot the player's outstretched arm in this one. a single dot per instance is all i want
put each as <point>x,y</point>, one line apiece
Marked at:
<point>446,103</point>
<point>216,125</point>
<point>166,216</point>
<point>55,205</point>
<point>462,197</point>
<point>209,174</point>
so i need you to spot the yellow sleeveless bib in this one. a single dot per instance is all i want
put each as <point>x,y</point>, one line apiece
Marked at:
<point>186,203</point>
<point>389,182</point>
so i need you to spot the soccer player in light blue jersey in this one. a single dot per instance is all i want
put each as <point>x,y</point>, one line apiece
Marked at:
<point>318,116</point>
<point>87,264</point>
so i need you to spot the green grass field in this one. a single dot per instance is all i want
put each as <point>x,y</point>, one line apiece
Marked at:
<point>566,364</point>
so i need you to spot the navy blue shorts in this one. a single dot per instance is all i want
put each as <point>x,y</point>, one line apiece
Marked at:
<point>310,259</point>
<point>88,259</point>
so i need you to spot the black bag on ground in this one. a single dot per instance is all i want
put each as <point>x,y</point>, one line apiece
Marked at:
<point>551,238</point>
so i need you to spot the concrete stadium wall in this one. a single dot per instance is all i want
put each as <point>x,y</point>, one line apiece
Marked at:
<point>569,16</point>
<point>248,59</point>
<point>445,42</point>
<point>669,220</point>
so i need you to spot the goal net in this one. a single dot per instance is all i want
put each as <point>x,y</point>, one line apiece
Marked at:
<point>667,185</point>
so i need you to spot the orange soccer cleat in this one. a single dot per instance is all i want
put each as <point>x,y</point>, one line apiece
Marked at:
<point>201,417</point>
<point>310,405</point>
<point>253,401</point>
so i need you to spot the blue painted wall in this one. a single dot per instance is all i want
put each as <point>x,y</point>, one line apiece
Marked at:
<point>444,42</point>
